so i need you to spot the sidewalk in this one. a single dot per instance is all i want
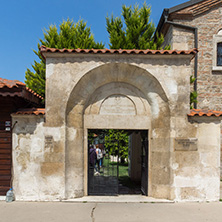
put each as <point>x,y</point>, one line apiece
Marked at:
<point>128,208</point>
<point>109,212</point>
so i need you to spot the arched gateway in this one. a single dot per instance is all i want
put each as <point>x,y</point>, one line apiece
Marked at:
<point>142,90</point>
<point>111,96</point>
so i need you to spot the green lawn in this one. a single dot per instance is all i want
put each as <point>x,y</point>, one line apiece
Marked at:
<point>123,168</point>
<point>124,178</point>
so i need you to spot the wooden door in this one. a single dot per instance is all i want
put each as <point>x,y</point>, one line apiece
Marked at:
<point>5,155</point>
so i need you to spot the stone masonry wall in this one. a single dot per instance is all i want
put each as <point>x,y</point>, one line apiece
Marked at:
<point>209,82</point>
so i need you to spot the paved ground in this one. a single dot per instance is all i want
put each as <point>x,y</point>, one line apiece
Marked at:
<point>126,208</point>
<point>109,212</point>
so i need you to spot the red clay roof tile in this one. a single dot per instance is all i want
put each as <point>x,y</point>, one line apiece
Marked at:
<point>193,112</point>
<point>10,83</point>
<point>119,51</point>
<point>199,8</point>
<point>30,111</point>
<point>6,83</point>
<point>199,112</point>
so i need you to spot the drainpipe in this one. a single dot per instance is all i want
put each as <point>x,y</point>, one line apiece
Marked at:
<point>195,30</point>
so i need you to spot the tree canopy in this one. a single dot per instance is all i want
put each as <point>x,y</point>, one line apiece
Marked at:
<point>117,142</point>
<point>70,35</point>
<point>135,32</point>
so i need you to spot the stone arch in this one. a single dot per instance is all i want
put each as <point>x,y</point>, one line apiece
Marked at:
<point>115,72</point>
<point>135,84</point>
<point>219,31</point>
<point>99,97</point>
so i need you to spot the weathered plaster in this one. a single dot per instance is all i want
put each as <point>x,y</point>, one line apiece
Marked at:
<point>120,92</point>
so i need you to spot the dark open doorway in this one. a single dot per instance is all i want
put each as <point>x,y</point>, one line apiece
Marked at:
<point>117,162</point>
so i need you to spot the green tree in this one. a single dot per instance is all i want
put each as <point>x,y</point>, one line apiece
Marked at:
<point>117,140</point>
<point>70,35</point>
<point>136,32</point>
<point>193,94</point>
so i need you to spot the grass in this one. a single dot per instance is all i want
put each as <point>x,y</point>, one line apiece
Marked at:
<point>123,168</point>
<point>124,178</point>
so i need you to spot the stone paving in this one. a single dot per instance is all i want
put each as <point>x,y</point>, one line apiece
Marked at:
<point>109,212</point>
<point>125,208</point>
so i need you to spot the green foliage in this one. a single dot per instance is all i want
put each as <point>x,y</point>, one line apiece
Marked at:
<point>137,32</point>
<point>35,80</point>
<point>193,95</point>
<point>70,35</point>
<point>115,139</point>
<point>192,79</point>
<point>91,137</point>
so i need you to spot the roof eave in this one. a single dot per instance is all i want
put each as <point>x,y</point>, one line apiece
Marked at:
<point>161,23</point>
<point>54,53</point>
<point>184,5</point>
<point>168,11</point>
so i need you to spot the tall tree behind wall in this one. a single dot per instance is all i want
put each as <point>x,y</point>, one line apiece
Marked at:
<point>136,32</point>
<point>70,35</point>
<point>117,142</point>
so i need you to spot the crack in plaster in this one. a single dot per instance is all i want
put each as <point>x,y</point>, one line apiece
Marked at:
<point>92,213</point>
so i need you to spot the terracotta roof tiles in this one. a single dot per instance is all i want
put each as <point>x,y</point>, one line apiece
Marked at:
<point>6,83</point>
<point>200,112</point>
<point>31,111</point>
<point>44,49</point>
<point>193,112</point>
<point>10,83</point>
<point>199,7</point>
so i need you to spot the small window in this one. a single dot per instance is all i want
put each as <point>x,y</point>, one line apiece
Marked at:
<point>219,54</point>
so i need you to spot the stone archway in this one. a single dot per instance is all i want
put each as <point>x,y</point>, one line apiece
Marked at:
<point>134,91</point>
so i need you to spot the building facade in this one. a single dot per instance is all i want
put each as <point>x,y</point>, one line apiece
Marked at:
<point>117,89</point>
<point>146,91</point>
<point>198,24</point>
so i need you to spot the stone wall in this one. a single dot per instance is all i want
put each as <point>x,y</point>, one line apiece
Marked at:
<point>51,159</point>
<point>209,79</point>
<point>196,163</point>
<point>209,82</point>
<point>37,160</point>
<point>157,87</point>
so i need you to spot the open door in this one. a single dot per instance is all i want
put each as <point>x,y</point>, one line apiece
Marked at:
<point>102,175</point>
<point>121,170</point>
<point>144,164</point>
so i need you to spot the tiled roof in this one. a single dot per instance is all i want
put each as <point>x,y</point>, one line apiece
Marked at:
<point>44,49</point>
<point>185,11</point>
<point>35,94</point>
<point>199,7</point>
<point>200,112</point>
<point>15,84</point>
<point>31,111</point>
<point>10,83</point>
<point>193,112</point>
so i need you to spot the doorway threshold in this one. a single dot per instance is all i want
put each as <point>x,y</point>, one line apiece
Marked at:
<point>118,199</point>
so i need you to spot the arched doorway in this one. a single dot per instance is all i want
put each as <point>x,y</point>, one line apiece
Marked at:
<point>121,106</point>
<point>112,96</point>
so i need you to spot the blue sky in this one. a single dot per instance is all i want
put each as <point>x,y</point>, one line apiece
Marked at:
<point>23,21</point>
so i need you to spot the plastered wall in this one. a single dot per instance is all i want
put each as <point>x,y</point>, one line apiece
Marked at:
<point>146,92</point>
